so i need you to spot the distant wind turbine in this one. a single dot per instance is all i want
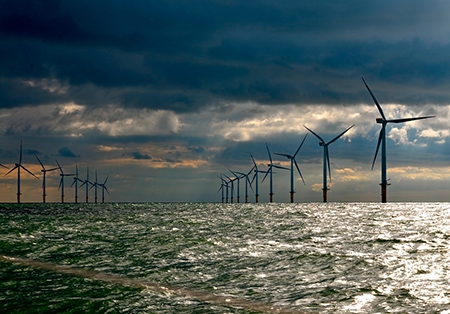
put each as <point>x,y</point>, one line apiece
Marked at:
<point>232,187</point>
<point>103,186</point>
<point>95,186</point>
<point>382,140</point>
<point>61,182</point>
<point>44,172</point>
<point>18,166</point>
<point>224,184</point>
<point>87,182</point>
<point>294,162</point>
<point>76,179</point>
<point>326,159</point>
<point>255,169</point>
<point>247,182</point>
<point>270,171</point>
<point>238,178</point>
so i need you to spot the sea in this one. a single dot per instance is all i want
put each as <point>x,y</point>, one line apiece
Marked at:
<point>225,258</point>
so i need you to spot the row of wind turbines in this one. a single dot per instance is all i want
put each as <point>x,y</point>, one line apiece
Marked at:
<point>18,166</point>
<point>228,183</point>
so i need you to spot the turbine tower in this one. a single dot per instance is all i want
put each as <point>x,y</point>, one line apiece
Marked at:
<point>232,187</point>
<point>18,166</point>
<point>238,178</point>
<point>326,159</point>
<point>382,140</point>
<point>294,162</point>
<point>270,170</point>
<point>44,172</point>
<point>61,182</point>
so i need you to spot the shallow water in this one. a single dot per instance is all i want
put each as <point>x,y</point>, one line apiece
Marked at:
<point>225,258</point>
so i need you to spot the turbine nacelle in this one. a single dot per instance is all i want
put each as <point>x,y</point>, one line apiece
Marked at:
<point>380,120</point>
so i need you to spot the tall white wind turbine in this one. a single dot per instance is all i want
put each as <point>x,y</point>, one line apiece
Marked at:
<point>294,162</point>
<point>44,172</point>
<point>270,171</point>
<point>382,140</point>
<point>18,166</point>
<point>61,182</point>
<point>326,159</point>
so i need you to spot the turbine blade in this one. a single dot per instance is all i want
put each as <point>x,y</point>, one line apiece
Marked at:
<point>59,167</point>
<point>20,158</point>
<point>333,140</point>
<point>11,170</point>
<point>43,168</point>
<point>315,134</point>
<point>60,183</point>
<point>106,180</point>
<point>254,162</point>
<point>375,100</point>
<point>298,149</point>
<point>268,151</point>
<point>3,166</point>
<point>328,163</point>
<point>408,119</point>
<point>267,172</point>
<point>299,172</point>
<point>285,155</point>
<point>378,146</point>
<point>281,167</point>
<point>28,171</point>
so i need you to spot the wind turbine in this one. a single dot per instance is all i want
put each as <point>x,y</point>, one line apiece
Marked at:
<point>247,181</point>
<point>224,184</point>
<point>87,182</point>
<point>103,186</point>
<point>95,186</point>
<point>382,140</point>
<point>238,184</point>
<point>232,187</point>
<point>75,182</point>
<point>294,162</point>
<point>255,169</point>
<point>18,166</point>
<point>61,182</point>
<point>326,159</point>
<point>44,172</point>
<point>270,170</point>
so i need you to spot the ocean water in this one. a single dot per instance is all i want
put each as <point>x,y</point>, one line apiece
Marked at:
<point>225,258</point>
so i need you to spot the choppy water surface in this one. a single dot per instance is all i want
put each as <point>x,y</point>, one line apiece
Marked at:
<point>225,258</point>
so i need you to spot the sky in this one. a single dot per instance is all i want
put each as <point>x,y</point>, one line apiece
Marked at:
<point>163,97</point>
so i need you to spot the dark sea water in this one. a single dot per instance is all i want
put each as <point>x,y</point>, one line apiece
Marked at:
<point>225,258</point>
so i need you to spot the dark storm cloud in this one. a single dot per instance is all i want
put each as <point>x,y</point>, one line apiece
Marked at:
<point>66,152</point>
<point>182,56</point>
<point>139,156</point>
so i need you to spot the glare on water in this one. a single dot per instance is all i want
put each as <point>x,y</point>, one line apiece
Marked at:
<point>226,258</point>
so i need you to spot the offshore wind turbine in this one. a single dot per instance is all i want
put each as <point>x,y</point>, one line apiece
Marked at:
<point>95,186</point>
<point>382,140</point>
<point>270,171</point>
<point>247,182</point>
<point>326,159</point>
<point>87,182</point>
<point>75,182</point>
<point>18,166</point>
<point>61,182</point>
<point>44,172</point>
<point>103,186</point>
<point>232,187</point>
<point>294,162</point>
<point>224,184</point>
<point>255,169</point>
<point>238,184</point>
